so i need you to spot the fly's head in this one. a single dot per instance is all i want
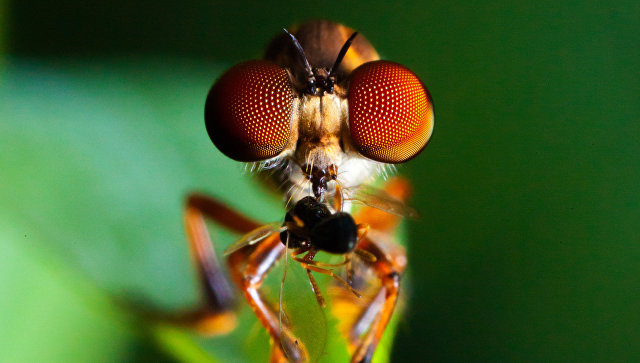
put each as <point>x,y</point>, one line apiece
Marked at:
<point>320,110</point>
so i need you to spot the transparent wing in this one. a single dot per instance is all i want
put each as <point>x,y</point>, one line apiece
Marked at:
<point>379,199</point>
<point>254,237</point>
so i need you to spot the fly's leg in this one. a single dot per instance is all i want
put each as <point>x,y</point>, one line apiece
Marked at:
<point>310,268</point>
<point>389,266</point>
<point>249,266</point>
<point>215,313</point>
<point>388,262</point>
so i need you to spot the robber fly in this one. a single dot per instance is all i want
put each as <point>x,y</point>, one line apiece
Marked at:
<point>320,118</point>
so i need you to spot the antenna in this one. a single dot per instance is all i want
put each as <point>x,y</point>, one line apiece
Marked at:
<point>342,53</point>
<point>301,52</point>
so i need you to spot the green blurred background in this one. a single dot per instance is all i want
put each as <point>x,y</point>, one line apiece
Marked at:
<point>528,248</point>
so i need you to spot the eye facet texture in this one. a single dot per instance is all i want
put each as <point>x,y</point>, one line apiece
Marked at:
<point>390,112</point>
<point>248,111</point>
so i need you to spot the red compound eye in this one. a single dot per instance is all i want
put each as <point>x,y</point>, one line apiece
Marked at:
<point>390,112</point>
<point>248,111</point>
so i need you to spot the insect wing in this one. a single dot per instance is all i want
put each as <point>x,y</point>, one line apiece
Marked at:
<point>379,199</point>
<point>253,237</point>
